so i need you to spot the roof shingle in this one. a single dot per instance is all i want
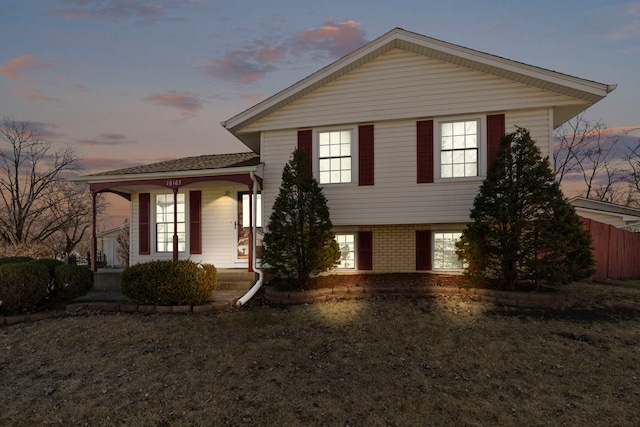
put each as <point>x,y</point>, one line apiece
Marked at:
<point>211,161</point>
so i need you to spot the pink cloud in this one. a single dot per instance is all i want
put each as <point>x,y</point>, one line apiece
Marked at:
<point>35,95</point>
<point>107,139</point>
<point>244,65</point>
<point>333,37</point>
<point>14,68</point>
<point>252,98</point>
<point>186,102</point>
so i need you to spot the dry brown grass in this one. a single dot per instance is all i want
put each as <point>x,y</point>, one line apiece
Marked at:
<point>432,361</point>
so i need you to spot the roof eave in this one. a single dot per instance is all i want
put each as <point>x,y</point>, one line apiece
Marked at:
<point>92,179</point>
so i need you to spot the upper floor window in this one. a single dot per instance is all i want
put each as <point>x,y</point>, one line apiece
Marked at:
<point>165,208</point>
<point>459,143</point>
<point>335,157</point>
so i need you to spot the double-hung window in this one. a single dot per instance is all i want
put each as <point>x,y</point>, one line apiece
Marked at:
<point>335,156</point>
<point>347,244</point>
<point>459,149</point>
<point>444,251</point>
<point>165,208</point>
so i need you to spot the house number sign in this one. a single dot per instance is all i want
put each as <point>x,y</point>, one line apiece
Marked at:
<point>172,183</point>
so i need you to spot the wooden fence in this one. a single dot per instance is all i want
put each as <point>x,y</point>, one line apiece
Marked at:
<point>616,251</point>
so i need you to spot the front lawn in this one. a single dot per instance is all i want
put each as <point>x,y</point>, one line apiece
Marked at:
<point>447,360</point>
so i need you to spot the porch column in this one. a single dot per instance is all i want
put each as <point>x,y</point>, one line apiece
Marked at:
<point>94,238</point>
<point>175,224</point>
<point>250,227</point>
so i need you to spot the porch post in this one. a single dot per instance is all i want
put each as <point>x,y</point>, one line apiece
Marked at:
<point>250,227</point>
<point>94,238</point>
<point>175,224</point>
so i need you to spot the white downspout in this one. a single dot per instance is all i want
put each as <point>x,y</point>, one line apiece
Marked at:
<point>242,301</point>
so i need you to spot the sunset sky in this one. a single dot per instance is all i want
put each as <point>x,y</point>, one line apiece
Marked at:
<point>128,82</point>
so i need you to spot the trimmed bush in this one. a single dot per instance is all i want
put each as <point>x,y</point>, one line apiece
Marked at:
<point>71,281</point>
<point>179,282</point>
<point>23,287</point>
<point>14,259</point>
<point>50,263</point>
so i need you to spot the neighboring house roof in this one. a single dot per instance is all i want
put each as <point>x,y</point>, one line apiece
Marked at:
<point>587,91</point>
<point>206,162</point>
<point>112,232</point>
<point>621,216</point>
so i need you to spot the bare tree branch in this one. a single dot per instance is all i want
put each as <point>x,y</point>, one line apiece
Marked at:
<point>31,179</point>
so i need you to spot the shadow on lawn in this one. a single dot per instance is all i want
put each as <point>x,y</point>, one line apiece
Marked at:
<point>580,313</point>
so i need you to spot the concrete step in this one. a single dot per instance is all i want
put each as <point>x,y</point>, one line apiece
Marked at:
<point>236,280</point>
<point>107,280</point>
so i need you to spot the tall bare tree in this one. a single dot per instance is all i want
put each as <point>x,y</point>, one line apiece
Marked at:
<point>72,209</point>
<point>633,176</point>
<point>31,178</point>
<point>123,238</point>
<point>588,152</point>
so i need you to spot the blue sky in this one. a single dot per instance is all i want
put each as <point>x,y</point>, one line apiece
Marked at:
<point>128,82</point>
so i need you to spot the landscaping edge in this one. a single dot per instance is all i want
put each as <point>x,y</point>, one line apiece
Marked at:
<point>556,300</point>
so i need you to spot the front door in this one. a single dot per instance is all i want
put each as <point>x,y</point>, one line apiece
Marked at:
<point>243,224</point>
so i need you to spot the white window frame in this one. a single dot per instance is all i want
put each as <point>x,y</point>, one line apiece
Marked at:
<point>482,147</point>
<point>155,224</point>
<point>354,251</point>
<point>433,251</point>
<point>354,154</point>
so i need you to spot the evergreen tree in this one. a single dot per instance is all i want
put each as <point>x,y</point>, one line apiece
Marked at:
<point>523,229</point>
<point>299,241</point>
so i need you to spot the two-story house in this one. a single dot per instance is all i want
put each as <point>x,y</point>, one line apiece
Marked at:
<point>399,135</point>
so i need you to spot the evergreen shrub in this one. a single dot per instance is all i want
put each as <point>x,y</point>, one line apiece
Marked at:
<point>23,287</point>
<point>181,282</point>
<point>71,281</point>
<point>14,259</point>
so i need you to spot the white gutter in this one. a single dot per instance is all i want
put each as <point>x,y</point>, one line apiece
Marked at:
<point>97,179</point>
<point>242,301</point>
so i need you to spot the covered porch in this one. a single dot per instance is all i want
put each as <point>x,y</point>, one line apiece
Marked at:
<point>188,208</point>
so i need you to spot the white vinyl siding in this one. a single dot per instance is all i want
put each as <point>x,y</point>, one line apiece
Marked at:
<point>396,198</point>
<point>393,92</point>
<point>399,85</point>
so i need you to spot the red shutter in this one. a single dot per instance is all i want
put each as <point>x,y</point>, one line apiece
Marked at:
<point>365,155</point>
<point>195,222</point>
<point>423,249</point>
<point>144,224</point>
<point>495,131</point>
<point>365,250</point>
<point>424,133</point>
<point>305,142</point>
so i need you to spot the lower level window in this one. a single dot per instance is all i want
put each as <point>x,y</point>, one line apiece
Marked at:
<point>165,209</point>
<point>347,250</point>
<point>444,251</point>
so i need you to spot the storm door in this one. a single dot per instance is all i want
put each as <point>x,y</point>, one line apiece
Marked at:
<point>243,224</point>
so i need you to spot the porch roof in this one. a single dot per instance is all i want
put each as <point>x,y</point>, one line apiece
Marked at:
<point>176,173</point>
